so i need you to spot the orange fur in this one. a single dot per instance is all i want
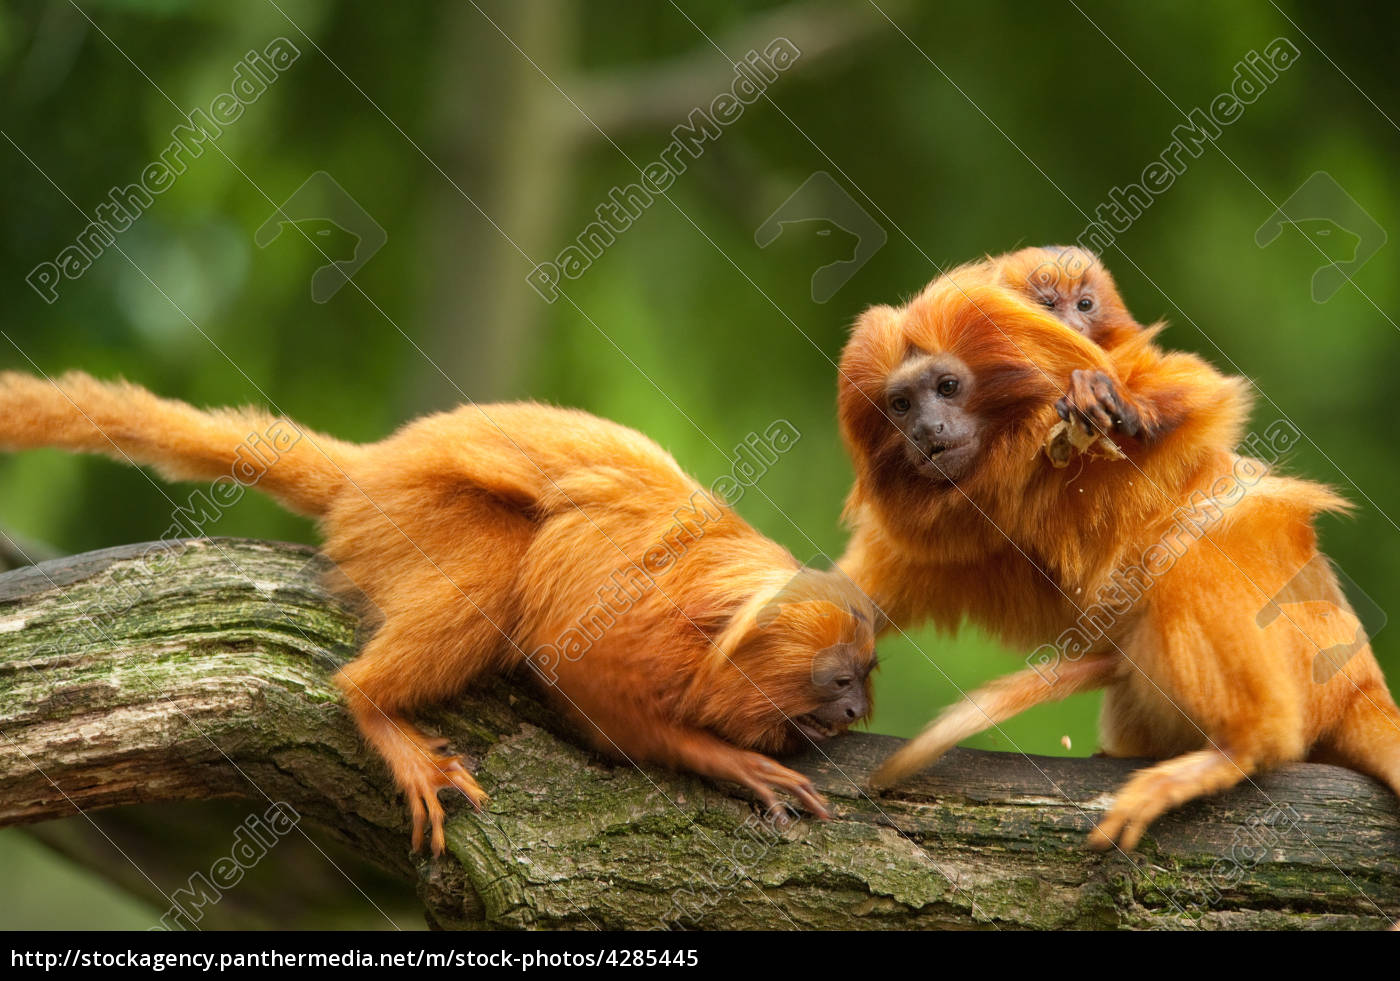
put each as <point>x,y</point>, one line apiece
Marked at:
<point>1192,668</point>
<point>1159,387</point>
<point>487,535</point>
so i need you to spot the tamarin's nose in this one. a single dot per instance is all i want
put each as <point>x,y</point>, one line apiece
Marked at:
<point>850,712</point>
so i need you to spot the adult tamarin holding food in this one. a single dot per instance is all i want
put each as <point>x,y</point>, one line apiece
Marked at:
<point>1219,657</point>
<point>491,536</point>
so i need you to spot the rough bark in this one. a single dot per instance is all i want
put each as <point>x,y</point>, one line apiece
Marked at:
<point>201,669</point>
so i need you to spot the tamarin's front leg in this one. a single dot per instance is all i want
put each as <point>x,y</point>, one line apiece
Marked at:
<point>706,754</point>
<point>389,678</point>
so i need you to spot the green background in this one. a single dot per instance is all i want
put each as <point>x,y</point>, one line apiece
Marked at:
<point>960,129</point>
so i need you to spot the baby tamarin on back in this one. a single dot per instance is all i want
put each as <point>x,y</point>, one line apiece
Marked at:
<point>1148,392</point>
<point>659,621</point>
<point>1074,286</point>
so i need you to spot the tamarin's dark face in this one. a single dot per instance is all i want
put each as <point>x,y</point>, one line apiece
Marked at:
<point>839,693</point>
<point>928,399</point>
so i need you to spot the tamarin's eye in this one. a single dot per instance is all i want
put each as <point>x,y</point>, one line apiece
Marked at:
<point>1048,302</point>
<point>1085,305</point>
<point>899,404</point>
<point>948,387</point>
<point>843,682</point>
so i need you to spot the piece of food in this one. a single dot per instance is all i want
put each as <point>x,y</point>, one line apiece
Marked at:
<point>1065,440</point>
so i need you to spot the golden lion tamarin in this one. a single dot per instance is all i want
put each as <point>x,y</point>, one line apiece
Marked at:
<point>1184,579</point>
<point>493,536</point>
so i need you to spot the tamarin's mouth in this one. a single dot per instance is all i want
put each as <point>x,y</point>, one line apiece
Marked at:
<point>815,729</point>
<point>942,461</point>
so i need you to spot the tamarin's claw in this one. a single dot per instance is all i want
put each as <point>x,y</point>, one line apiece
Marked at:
<point>422,787</point>
<point>1124,825</point>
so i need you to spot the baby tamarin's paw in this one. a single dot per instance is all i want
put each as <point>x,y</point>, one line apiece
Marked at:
<point>1093,403</point>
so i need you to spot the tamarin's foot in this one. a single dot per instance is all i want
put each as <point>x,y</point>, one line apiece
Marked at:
<point>1157,789</point>
<point>1094,404</point>
<point>704,753</point>
<point>422,782</point>
<point>421,768</point>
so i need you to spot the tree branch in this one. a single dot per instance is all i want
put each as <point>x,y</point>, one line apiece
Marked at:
<point>201,669</point>
<point>663,94</point>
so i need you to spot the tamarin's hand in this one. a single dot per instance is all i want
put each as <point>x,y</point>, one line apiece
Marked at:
<point>498,536</point>
<point>1093,403</point>
<point>1207,634</point>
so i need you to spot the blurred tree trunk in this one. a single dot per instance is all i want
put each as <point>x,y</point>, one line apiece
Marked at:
<point>510,140</point>
<point>505,138</point>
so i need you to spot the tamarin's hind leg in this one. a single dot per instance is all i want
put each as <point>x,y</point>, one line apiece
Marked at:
<point>402,668</point>
<point>1157,789</point>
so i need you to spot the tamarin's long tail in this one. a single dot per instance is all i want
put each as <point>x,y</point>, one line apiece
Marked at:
<point>302,469</point>
<point>991,705</point>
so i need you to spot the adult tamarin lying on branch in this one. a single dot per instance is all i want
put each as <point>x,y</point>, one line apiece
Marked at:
<point>665,626</point>
<point>1184,579</point>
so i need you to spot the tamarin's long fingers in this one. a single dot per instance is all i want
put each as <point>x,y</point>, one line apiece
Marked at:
<point>796,784</point>
<point>993,704</point>
<point>705,754</point>
<point>444,773</point>
<point>420,813</point>
<point>1158,789</point>
<point>763,776</point>
<point>427,813</point>
<point>436,815</point>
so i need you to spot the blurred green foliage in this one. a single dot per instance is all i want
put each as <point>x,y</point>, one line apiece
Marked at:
<point>969,128</point>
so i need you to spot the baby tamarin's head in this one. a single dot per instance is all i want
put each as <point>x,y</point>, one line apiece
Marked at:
<point>1073,285</point>
<point>808,647</point>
